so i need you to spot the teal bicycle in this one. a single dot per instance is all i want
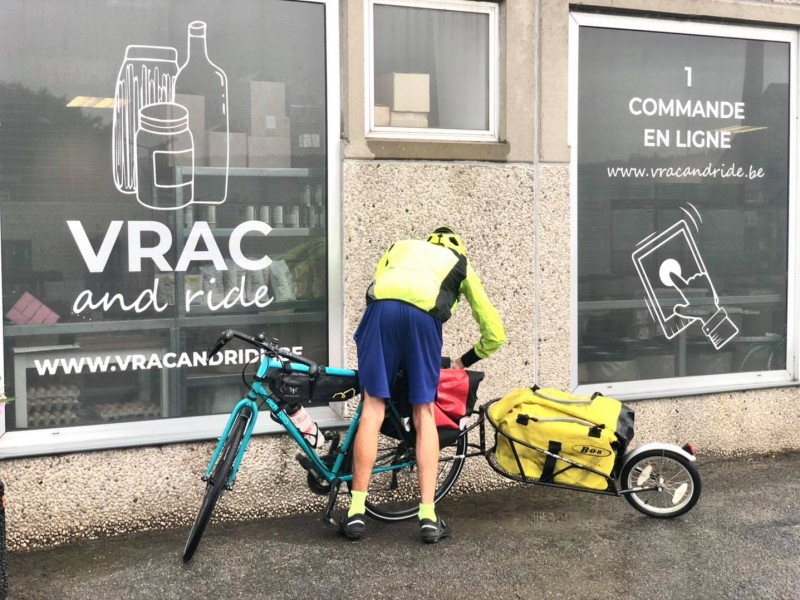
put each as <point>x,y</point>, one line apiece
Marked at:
<point>281,380</point>
<point>657,479</point>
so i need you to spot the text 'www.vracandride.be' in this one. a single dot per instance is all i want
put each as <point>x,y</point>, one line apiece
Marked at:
<point>723,171</point>
<point>139,362</point>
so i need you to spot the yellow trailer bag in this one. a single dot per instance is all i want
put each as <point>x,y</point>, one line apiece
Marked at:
<point>551,436</point>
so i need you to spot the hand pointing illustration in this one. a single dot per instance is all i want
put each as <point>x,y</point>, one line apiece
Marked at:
<point>718,328</point>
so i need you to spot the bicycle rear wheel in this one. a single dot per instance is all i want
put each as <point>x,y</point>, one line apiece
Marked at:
<point>394,495</point>
<point>217,483</point>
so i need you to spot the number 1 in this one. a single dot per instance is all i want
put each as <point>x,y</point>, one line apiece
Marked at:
<point>688,76</point>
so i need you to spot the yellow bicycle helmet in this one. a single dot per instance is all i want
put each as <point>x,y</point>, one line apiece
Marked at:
<point>444,236</point>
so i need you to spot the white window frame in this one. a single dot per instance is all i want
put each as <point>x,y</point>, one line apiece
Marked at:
<point>414,133</point>
<point>15,444</point>
<point>682,386</point>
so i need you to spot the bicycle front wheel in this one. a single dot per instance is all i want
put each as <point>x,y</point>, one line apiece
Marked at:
<point>217,483</point>
<point>394,495</point>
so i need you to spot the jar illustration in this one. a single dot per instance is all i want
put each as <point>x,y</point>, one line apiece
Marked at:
<point>162,141</point>
<point>200,77</point>
<point>147,76</point>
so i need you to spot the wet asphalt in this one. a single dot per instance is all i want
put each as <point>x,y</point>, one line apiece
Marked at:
<point>741,541</point>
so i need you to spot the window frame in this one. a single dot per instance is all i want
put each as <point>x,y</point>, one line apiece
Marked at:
<point>704,384</point>
<point>433,134</point>
<point>16,444</point>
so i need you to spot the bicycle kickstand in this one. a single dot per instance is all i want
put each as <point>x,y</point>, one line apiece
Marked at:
<point>332,496</point>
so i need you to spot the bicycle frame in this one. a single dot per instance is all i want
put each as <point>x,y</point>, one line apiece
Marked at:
<point>334,473</point>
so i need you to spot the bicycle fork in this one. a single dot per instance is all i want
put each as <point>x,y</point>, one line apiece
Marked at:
<point>240,408</point>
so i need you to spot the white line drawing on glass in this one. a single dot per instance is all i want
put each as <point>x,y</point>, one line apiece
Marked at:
<point>147,76</point>
<point>200,78</point>
<point>193,101</point>
<point>162,141</point>
<point>674,277</point>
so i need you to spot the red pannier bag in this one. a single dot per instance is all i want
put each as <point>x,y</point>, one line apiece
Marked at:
<point>455,396</point>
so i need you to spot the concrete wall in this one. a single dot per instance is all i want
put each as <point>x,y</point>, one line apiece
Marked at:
<point>511,203</point>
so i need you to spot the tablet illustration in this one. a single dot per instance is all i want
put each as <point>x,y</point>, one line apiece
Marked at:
<point>672,272</point>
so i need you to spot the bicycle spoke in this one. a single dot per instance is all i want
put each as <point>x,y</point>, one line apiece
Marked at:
<point>670,475</point>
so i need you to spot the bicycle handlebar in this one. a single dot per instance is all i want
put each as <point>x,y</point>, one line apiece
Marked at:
<point>271,348</point>
<point>223,339</point>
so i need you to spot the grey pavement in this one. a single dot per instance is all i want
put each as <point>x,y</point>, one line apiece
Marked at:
<point>742,540</point>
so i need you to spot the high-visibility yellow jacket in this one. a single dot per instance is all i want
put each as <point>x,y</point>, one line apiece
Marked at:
<point>433,278</point>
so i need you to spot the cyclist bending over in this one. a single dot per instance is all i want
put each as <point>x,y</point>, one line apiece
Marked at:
<point>416,288</point>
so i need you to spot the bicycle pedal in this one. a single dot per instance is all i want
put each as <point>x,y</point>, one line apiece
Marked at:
<point>332,524</point>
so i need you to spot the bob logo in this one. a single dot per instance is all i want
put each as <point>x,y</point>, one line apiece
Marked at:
<point>591,451</point>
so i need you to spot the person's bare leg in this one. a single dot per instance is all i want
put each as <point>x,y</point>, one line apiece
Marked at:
<point>427,450</point>
<point>365,449</point>
<point>432,526</point>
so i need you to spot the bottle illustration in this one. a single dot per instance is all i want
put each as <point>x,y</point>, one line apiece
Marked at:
<point>200,77</point>
<point>163,140</point>
<point>147,76</point>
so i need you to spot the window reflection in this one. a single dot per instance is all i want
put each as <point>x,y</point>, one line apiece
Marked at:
<point>431,68</point>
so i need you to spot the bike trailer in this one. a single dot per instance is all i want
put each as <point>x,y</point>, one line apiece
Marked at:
<point>551,436</point>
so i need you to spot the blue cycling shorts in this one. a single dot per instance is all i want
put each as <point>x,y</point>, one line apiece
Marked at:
<point>395,336</point>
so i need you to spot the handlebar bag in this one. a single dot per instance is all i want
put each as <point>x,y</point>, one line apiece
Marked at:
<point>322,388</point>
<point>333,388</point>
<point>538,428</point>
<point>291,388</point>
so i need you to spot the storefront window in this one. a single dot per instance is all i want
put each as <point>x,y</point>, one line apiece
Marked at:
<point>683,191</point>
<point>163,177</point>
<point>433,69</point>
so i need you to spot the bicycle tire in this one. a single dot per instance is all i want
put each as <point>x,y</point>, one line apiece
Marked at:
<point>672,471</point>
<point>388,503</point>
<point>216,484</point>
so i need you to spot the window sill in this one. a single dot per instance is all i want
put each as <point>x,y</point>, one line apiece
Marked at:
<point>432,150</point>
<point>19,444</point>
<point>676,387</point>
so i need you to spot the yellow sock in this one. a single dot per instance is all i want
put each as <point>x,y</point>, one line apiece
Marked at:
<point>427,511</point>
<point>357,503</point>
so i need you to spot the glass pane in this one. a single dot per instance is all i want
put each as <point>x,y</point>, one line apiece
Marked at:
<point>683,168</point>
<point>431,68</point>
<point>162,178</point>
